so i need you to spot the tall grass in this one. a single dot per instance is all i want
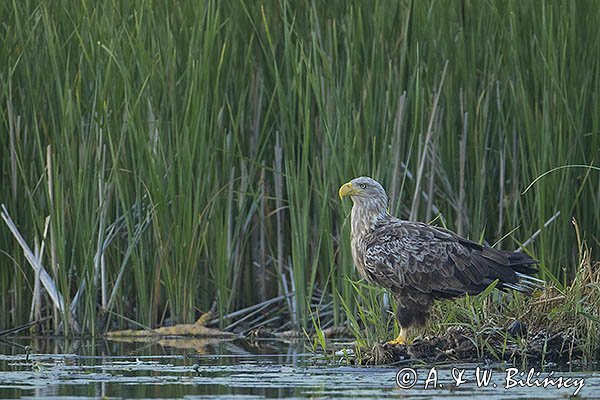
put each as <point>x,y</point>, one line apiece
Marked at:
<point>188,154</point>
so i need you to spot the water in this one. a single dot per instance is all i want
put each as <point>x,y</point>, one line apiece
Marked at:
<point>196,369</point>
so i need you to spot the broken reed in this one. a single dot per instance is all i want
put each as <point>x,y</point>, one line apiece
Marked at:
<point>188,154</point>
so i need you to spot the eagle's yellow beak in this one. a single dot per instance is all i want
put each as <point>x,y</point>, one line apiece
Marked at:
<point>347,190</point>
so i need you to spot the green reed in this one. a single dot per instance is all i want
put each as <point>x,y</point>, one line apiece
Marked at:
<point>189,154</point>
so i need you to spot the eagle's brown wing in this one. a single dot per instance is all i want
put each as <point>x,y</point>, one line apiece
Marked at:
<point>421,258</point>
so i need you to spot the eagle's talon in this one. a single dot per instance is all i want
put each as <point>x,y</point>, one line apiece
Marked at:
<point>398,342</point>
<point>401,340</point>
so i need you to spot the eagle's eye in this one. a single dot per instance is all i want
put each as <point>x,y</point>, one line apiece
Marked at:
<point>363,185</point>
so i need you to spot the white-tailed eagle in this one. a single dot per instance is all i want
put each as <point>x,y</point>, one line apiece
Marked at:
<point>419,263</point>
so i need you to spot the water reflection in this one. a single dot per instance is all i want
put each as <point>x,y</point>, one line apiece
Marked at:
<point>196,368</point>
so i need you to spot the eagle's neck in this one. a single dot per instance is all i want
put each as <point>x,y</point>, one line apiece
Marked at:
<point>366,216</point>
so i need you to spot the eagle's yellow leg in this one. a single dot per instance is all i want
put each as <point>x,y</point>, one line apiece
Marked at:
<point>401,339</point>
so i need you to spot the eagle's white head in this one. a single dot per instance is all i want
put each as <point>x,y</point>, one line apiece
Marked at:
<point>370,203</point>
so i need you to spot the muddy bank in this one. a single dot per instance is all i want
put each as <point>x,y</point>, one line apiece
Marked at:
<point>462,344</point>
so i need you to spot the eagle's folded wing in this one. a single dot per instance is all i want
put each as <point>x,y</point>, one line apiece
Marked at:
<point>412,256</point>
